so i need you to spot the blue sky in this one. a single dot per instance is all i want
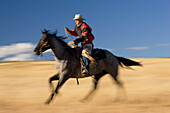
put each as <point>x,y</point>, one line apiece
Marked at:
<point>128,28</point>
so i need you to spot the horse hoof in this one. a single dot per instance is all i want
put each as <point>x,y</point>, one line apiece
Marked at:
<point>83,101</point>
<point>47,102</point>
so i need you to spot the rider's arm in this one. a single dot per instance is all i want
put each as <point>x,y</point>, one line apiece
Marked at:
<point>73,33</point>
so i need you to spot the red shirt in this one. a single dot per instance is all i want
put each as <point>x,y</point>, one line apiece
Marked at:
<point>84,33</point>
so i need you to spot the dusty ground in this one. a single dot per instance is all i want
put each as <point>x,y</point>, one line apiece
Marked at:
<point>24,88</point>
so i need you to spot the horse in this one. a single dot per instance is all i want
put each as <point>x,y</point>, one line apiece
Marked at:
<point>68,65</point>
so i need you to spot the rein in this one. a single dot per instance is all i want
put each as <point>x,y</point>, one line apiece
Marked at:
<point>50,55</point>
<point>45,44</point>
<point>68,36</point>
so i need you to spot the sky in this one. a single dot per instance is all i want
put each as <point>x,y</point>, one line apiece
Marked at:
<point>127,28</point>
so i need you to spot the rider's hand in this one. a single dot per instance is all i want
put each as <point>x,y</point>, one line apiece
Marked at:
<point>71,43</point>
<point>66,29</point>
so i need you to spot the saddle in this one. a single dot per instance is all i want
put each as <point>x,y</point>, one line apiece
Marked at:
<point>97,54</point>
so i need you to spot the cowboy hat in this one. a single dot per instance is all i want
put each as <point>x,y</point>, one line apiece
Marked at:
<point>78,17</point>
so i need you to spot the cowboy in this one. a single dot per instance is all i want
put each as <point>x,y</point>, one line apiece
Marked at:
<point>83,30</point>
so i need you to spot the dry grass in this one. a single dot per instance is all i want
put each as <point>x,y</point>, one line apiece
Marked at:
<point>24,88</point>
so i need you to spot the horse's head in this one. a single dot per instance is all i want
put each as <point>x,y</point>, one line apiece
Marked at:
<point>43,44</point>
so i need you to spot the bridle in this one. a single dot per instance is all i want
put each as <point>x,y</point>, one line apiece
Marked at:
<point>68,36</point>
<point>45,45</point>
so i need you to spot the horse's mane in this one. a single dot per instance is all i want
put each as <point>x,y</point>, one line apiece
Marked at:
<point>61,40</point>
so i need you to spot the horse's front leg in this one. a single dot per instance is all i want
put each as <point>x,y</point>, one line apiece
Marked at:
<point>55,77</point>
<point>62,80</point>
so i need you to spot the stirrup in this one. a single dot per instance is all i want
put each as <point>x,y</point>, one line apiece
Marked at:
<point>85,72</point>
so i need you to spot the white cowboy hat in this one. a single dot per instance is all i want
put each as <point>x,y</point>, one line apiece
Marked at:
<point>78,17</point>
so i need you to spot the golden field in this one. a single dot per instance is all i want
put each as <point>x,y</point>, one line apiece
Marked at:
<point>24,89</point>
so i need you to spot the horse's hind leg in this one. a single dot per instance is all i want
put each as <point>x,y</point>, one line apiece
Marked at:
<point>121,94</point>
<point>113,71</point>
<point>118,82</point>
<point>95,81</point>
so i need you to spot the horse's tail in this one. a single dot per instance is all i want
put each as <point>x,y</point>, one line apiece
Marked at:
<point>127,62</point>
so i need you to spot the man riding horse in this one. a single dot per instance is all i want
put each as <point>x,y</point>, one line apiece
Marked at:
<point>68,66</point>
<point>83,30</point>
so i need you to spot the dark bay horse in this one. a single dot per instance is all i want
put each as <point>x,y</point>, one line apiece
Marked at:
<point>68,66</point>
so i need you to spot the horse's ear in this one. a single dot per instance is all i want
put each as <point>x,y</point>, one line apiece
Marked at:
<point>45,31</point>
<point>42,31</point>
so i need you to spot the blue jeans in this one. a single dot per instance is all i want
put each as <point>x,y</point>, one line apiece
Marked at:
<point>86,52</point>
<point>86,62</point>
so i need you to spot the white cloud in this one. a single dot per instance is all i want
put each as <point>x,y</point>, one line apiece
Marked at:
<point>110,49</point>
<point>163,45</point>
<point>146,47</point>
<point>17,52</point>
<point>138,48</point>
<point>18,48</point>
<point>20,57</point>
